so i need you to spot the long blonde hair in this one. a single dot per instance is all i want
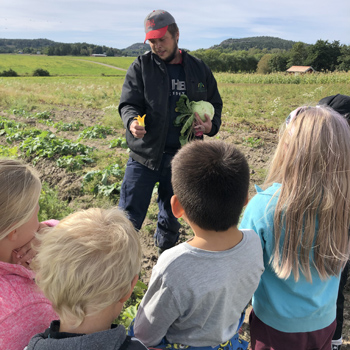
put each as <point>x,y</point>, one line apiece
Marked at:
<point>312,162</point>
<point>20,189</point>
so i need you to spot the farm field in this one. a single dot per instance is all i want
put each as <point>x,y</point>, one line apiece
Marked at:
<point>67,125</point>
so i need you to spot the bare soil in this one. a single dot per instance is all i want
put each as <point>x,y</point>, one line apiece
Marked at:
<point>256,142</point>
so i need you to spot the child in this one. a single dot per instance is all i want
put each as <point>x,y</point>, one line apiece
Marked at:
<point>24,311</point>
<point>341,104</point>
<point>199,289</point>
<point>302,219</point>
<point>88,266</point>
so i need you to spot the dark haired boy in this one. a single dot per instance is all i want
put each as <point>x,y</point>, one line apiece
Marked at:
<point>199,289</point>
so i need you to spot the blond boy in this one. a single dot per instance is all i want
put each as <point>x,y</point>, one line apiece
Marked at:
<point>87,266</point>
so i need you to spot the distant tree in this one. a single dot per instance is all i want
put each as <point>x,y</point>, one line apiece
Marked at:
<point>97,50</point>
<point>110,52</point>
<point>324,55</point>
<point>264,65</point>
<point>278,62</point>
<point>344,58</point>
<point>298,54</point>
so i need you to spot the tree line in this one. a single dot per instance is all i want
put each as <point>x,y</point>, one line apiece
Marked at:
<point>322,56</point>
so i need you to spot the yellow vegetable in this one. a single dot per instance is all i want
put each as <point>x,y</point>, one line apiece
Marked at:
<point>141,120</point>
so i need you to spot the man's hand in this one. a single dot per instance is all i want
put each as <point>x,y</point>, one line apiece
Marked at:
<point>202,127</point>
<point>137,130</point>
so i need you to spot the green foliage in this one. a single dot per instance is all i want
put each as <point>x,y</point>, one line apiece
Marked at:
<point>96,132</point>
<point>254,142</point>
<point>47,145</point>
<point>51,206</point>
<point>41,73</point>
<point>130,309</point>
<point>104,182</point>
<point>8,152</point>
<point>119,142</point>
<point>263,65</point>
<point>72,163</point>
<point>8,73</point>
<point>74,126</point>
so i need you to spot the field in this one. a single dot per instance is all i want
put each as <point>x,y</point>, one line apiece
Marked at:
<point>68,127</point>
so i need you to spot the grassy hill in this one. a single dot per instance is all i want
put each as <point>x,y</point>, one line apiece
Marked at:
<point>258,42</point>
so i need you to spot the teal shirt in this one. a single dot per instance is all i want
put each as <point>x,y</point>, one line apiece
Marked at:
<point>284,304</point>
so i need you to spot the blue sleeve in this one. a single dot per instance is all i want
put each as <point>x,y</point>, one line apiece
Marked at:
<point>254,217</point>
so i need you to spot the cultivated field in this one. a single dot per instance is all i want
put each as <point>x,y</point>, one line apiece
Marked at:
<point>68,126</point>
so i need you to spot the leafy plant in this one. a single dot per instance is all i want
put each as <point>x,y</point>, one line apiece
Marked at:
<point>254,142</point>
<point>119,142</point>
<point>51,206</point>
<point>75,126</point>
<point>47,145</point>
<point>43,115</point>
<point>130,309</point>
<point>96,132</point>
<point>72,163</point>
<point>104,182</point>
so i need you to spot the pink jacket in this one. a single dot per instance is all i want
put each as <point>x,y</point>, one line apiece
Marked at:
<point>24,311</point>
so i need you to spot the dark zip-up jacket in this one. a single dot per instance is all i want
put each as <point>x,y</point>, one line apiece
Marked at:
<point>146,91</point>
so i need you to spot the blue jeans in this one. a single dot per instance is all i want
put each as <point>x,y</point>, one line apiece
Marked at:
<point>235,343</point>
<point>136,193</point>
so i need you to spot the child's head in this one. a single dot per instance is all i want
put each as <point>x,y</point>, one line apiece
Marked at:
<point>211,180</point>
<point>88,262</point>
<point>19,195</point>
<point>312,164</point>
<point>340,103</point>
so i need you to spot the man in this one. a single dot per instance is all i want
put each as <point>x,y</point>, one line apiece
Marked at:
<point>153,84</point>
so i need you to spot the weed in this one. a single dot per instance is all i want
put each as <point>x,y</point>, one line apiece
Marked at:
<point>51,206</point>
<point>119,142</point>
<point>75,126</point>
<point>130,309</point>
<point>96,132</point>
<point>104,182</point>
<point>254,142</point>
<point>72,163</point>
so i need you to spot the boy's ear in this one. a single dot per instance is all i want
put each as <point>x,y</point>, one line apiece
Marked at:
<point>246,200</point>
<point>176,207</point>
<point>128,295</point>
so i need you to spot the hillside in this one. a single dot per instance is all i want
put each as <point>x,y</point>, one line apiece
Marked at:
<point>258,42</point>
<point>51,47</point>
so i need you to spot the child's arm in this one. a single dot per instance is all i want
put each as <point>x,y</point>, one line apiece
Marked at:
<point>157,312</point>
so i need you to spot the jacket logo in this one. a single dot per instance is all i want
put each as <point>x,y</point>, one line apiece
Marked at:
<point>201,87</point>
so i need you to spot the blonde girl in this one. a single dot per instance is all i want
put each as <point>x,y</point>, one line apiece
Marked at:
<point>302,218</point>
<point>23,309</point>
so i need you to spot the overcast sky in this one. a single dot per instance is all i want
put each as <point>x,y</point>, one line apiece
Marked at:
<point>202,24</point>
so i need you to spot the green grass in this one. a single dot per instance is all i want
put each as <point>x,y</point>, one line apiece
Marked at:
<point>25,65</point>
<point>42,92</point>
<point>120,62</point>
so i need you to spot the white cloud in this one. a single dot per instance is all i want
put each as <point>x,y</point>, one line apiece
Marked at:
<point>202,24</point>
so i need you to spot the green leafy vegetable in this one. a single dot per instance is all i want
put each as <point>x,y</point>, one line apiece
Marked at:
<point>187,109</point>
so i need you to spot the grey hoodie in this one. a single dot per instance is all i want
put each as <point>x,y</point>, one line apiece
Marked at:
<point>111,339</point>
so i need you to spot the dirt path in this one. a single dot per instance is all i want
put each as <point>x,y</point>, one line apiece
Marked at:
<point>103,64</point>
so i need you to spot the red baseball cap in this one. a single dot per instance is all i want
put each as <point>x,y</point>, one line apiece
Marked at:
<point>156,24</point>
